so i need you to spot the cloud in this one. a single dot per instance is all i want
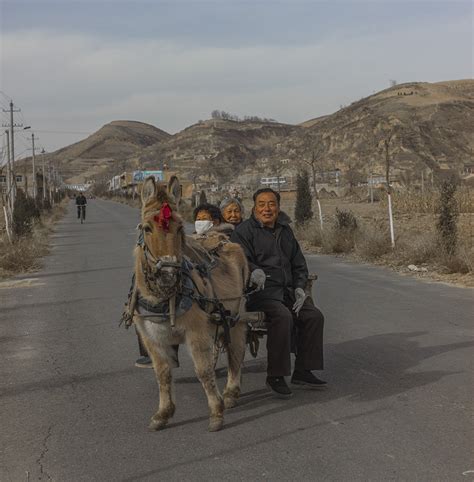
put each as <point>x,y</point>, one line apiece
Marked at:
<point>81,81</point>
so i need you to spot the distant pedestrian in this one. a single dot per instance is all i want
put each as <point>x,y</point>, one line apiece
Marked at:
<point>80,202</point>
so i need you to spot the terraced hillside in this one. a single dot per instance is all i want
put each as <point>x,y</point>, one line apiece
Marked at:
<point>429,126</point>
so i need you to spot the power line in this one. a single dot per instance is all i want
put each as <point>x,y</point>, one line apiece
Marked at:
<point>62,132</point>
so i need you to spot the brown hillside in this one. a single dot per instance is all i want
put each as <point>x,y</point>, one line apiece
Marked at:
<point>219,147</point>
<point>432,126</point>
<point>116,141</point>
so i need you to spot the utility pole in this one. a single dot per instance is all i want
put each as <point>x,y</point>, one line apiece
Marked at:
<point>35,190</point>
<point>50,183</point>
<point>12,125</point>
<point>43,173</point>
<point>8,206</point>
<point>10,201</point>
<point>12,138</point>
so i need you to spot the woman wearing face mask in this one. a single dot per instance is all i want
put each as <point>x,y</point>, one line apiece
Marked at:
<point>206,216</point>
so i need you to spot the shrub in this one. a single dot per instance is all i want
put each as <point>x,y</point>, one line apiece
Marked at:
<point>340,238</point>
<point>303,211</point>
<point>345,220</point>
<point>454,264</point>
<point>309,232</point>
<point>447,221</point>
<point>25,211</point>
<point>421,249</point>
<point>372,241</point>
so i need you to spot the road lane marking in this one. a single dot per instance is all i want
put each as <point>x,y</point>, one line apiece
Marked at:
<point>20,283</point>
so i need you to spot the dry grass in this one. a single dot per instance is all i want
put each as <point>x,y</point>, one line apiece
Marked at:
<point>372,241</point>
<point>27,252</point>
<point>416,237</point>
<point>408,202</point>
<point>310,233</point>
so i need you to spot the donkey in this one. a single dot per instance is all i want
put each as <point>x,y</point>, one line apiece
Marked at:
<point>161,277</point>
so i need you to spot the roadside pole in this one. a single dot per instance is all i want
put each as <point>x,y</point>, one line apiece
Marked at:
<point>43,173</point>
<point>34,165</point>
<point>389,189</point>
<point>10,195</point>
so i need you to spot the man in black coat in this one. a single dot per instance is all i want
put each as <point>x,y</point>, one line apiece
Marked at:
<point>278,268</point>
<point>81,202</point>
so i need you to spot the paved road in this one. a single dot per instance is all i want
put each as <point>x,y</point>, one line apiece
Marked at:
<point>399,357</point>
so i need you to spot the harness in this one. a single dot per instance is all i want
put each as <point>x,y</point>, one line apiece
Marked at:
<point>161,310</point>
<point>182,298</point>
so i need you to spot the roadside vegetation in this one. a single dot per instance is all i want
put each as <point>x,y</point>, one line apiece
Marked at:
<point>32,223</point>
<point>433,232</point>
<point>434,235</point>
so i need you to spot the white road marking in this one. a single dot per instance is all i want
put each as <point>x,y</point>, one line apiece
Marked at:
<point>20,283</point>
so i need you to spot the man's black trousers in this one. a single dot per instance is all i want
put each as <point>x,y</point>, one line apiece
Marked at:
<point>283,324</point>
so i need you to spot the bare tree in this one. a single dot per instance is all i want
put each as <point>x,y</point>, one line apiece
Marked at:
<point>353,176</point>
<point>315,163</point>
<point>277,170</point>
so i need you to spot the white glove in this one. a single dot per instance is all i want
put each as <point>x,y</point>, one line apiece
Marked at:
<point>300,296</point>
<point>257,278</point>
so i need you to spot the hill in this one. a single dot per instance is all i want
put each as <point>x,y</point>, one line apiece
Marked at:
<point>116,141</point>
<point>218,147</point>
<point>431,126</point>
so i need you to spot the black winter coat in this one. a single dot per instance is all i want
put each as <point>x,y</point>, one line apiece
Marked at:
<point>81,200</point>
<point>277,253</point>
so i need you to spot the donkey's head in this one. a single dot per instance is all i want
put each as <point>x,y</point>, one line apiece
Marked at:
<point>163,235</point>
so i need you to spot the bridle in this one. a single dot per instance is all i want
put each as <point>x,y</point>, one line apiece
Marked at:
<point>153,266</point>
<point>174,300</point>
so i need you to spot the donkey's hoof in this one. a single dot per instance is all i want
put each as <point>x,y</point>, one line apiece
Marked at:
<point>215,424</point>
<point>157,424</point>
<point>230,402</point>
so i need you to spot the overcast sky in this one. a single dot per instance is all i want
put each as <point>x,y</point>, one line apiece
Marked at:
<point>73,66</point>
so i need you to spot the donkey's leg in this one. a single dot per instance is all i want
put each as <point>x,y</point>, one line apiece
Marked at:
<point>200,345</point>
<point>235,357</point>
<point>162,368</point>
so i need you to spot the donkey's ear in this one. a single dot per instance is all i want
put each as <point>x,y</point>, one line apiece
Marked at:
<point>148,189</point>
<point>174,190</point>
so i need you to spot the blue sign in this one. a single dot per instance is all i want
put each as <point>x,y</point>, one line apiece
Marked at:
<point>140,176</point>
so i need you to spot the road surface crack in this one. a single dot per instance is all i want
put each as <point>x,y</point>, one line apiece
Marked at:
<point>40,459</point>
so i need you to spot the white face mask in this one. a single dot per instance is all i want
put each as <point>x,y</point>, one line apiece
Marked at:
<point>203,227</point>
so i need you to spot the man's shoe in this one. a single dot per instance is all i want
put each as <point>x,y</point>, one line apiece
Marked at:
<point>279,387</point>
<point>144,362</point>
<point>307,379</point>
